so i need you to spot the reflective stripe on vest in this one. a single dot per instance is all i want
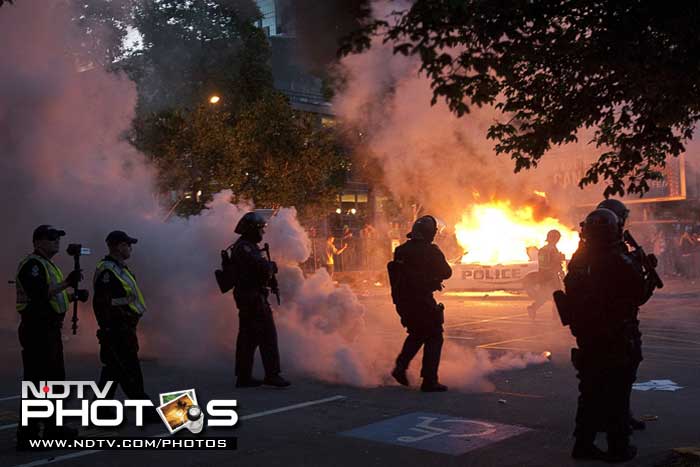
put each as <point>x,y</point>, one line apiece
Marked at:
<point>54,276</point>
<point>134,297</point>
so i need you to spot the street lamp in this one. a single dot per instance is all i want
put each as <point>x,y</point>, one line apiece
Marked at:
<point>214,99</point>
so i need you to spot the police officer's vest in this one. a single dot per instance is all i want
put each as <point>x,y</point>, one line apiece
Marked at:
<point>54,276</point>
<point>134,298</point>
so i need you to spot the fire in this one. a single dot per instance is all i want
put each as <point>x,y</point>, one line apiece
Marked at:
<point>497,233</point>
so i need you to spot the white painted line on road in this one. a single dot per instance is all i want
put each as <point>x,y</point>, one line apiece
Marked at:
<point>9,398</point>
<point>292,407</point>
<point>51,460</point>
<point>464,338</point>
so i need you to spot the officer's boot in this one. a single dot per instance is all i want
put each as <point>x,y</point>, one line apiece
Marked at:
<point>400,376</point>
<point>432,385</point>
<point>248,382</point>
<point>276,381</point>
<point>585,448</point>
<point>620,449</point>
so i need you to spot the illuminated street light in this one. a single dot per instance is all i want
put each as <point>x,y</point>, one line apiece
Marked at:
<point>214,99</point>
<point>353,211</point>
<point>338,211</point>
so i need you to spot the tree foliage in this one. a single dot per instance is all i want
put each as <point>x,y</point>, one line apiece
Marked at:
<point>250,141</point>
<point>627,69</point>
<point>269,154</point>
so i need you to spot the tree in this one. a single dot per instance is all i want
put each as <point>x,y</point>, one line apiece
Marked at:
<point>250,141</point>
<point>629,70</point>
<point>270,155</point>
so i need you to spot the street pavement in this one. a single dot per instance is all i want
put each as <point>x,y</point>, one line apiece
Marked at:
<point>524,419</point>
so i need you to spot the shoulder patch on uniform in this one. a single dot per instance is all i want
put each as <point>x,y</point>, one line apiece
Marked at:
<point>105,277</point>
<point>35,271</point>
<point>247,249</point>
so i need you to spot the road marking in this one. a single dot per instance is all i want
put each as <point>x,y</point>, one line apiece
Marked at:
<point>464,338</point>
<point>682,341</point>
<point>9,398</point>
<point>523,338</point>
<point>51,460</point>
<point>292,407</point>
<point>483,321</point>
<point>518,394</point>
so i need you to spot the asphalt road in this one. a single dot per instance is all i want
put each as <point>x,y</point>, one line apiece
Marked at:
<point>525,419</point>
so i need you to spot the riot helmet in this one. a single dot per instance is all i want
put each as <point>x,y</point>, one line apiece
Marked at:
<point>251,226</point>
<point>618,207</point>
<point>601,228</point>
<point>425,228</point>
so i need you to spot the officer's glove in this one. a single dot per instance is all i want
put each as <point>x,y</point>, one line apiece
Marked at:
<point>74,278</point>
<point>82,295</point>
<point>653,261</point>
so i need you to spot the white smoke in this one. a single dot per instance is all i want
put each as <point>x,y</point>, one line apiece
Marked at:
<point>64,161</point>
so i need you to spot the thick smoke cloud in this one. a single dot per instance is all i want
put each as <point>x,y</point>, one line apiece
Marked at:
<point>429,154</point>
<point>64,161</point>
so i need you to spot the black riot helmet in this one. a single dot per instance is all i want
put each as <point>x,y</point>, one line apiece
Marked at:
<point>425,228</point>
<point>601,228</point>
<point>251,226</point>
<point>618,207</point>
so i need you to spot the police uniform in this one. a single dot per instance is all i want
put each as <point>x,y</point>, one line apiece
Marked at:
<point>119,305</point>
<point>256,324</point>
<point>422,269</point>
<point>606,287</point>
<point>40,328</point>
<point>548,277</point>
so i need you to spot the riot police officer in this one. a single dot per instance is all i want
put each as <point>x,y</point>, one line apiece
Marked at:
<point>604,288</point>
<point>42,302</point>
<point>622,213</point>
<point>253,274</point>
<point>119,305</point>
<point>418,269</point>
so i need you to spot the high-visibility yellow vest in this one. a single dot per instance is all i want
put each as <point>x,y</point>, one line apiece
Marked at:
<point>54,276</point>
<point>134,297</point>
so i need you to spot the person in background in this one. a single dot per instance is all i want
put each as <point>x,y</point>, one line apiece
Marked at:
<point>331,253</point>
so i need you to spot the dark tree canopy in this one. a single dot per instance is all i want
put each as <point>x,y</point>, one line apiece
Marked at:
<point>627,69</point>
<point>250,141</point>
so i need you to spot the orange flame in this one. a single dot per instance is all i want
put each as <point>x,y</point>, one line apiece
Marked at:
<point>496,233</point>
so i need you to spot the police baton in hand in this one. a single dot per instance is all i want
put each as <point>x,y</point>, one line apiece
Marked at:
<point>274,285</point>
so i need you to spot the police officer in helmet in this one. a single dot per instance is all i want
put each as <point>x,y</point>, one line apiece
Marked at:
<point>604,288</point>
<point>618,207</point>
<point>251,289</point>
<point>622,213</point>
<point>418,269</point>
<point>42,302</point>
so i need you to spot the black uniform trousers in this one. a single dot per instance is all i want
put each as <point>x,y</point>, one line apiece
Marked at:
<point>42,359</point>
<point>424,327</point>
<point>604,394</point>
<point>256,329</point>
<point>120,359</point>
